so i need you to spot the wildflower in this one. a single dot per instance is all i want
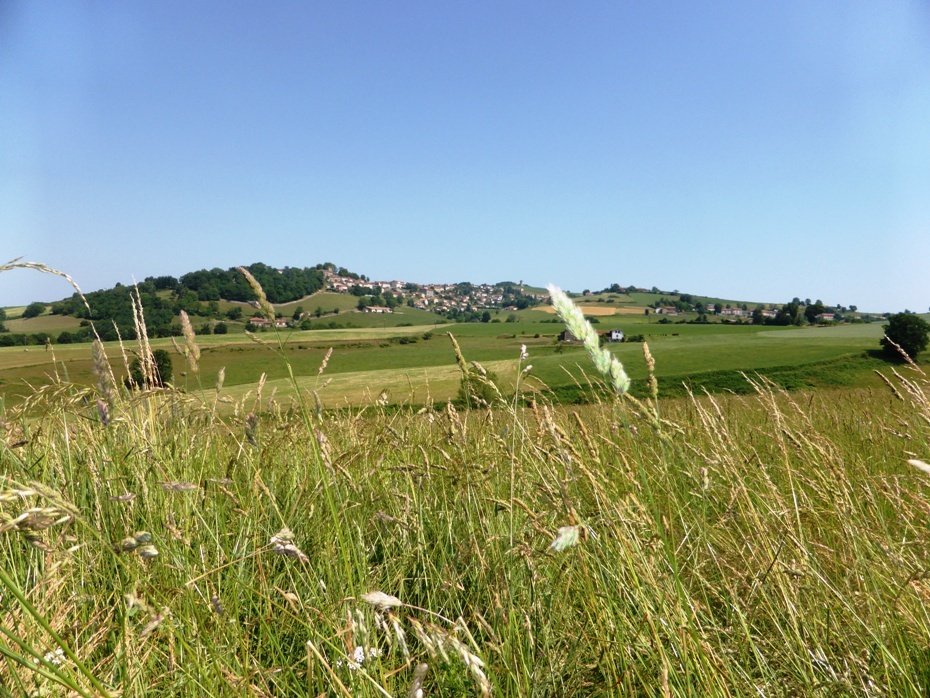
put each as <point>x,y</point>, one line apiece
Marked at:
<point>524,355</point>
<point>56,657</point>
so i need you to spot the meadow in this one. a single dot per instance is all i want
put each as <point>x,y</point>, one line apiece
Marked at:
<point>408,355</point>
<point>307,513</point>
<point>768,544</point>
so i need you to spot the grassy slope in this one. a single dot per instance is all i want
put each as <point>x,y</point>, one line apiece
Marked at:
<point>50,324</point>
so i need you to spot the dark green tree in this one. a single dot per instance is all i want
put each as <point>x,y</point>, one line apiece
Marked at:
<point>908,331</point>
<point>813,310</point>
<point>163,371</point>
<point>34,310</point>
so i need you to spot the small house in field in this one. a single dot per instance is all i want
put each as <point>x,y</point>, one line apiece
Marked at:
<point>614,335</point>
<point>825,317</point>
<point>378,309</point>
<point>265,322</point>
<point>567,336</point>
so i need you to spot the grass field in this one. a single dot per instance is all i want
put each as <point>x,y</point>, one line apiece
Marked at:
<point>767,544</point>
<point>50,324</point>
<point>399,359</point>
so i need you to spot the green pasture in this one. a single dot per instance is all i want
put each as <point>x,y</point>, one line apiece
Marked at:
<point>325,301</point>
<point>50,324</point>
<point>403,362</point>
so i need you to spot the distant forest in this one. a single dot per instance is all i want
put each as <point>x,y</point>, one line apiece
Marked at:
<point>163,297</point>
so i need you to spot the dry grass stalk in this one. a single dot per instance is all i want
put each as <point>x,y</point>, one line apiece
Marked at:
<point>264,305</point>
<point>192,350</point>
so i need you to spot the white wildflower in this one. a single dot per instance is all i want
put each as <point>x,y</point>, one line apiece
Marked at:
<point>56,657</point>
<point>524,355</point>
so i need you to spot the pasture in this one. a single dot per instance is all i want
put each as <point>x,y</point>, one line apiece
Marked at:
<point>411,362</point>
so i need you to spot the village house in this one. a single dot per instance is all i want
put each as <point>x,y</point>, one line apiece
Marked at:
<point>567,336</point>
<point>378,309</point>
<point>264,322</point>
<point>614,335</point>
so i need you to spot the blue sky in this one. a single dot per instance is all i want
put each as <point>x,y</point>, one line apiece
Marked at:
<point>748,150</point>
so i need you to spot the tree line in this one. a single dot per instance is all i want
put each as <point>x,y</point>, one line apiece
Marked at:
<point>163,297</point>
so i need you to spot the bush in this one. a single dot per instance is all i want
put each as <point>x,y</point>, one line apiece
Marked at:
<point>908,331</point>
<point>34,310</point>
<point>163,371</point>
<point>476,390</point>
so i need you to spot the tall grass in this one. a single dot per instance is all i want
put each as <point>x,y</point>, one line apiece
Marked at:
<point>769,544</point>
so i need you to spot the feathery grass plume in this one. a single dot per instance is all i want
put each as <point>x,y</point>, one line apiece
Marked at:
<point>103,372</point>
<point>325,362</point>
<point>282,543</point>
<point>920,465</point>
<point>416,686</point>
<point>192,350</point>
<point>45,269</point>
<point>651,380</point>
<point>266,307</point>
<point>146,358</point>
<point>605,362</point>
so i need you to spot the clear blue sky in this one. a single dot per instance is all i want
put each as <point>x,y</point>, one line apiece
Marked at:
<point>753,150</point>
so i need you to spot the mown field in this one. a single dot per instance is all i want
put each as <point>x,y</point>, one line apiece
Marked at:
<point>153,544</point>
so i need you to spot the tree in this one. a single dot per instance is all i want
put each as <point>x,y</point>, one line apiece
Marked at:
<point>220,328</point>
<point>908,331</point>
<point>298,313</point>
<point>34,310</point>
<point>813,310</point>
<point>163,371</point>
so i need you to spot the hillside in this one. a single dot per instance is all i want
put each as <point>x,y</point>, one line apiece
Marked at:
<point>329,297</point>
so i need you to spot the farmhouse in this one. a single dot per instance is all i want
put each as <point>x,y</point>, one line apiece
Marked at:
<point>614,335</point>
<point>378,309</point>
<point>264,322</point>
<point>825,317</point>
<point>567,336</point>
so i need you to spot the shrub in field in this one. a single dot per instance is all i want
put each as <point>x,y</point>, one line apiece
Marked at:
<point>909,332</point>
<point>161,376</point>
